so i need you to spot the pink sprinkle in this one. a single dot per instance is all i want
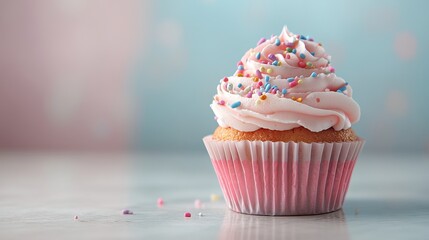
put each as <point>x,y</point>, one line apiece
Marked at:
<point>289,44</point>
<point>160,201</point>
<point>247,75</point>
<point>225,79</point>
<point>273,91</point>
<point>76,217</point>
<point>197,203</point>
<point>264,62</point>
<point>331,69</point>
<point>187,214</point>
<point>260,83</point>
<point>287,56</point>
<point>215,118</point>
<point>258,74</point>
<point>262,40</point>
<point>301,64</point>
<point>249,95</point>
<point>221,102</point>
<point>239,63</point>
<point>127,212</point>
<point>259,93</point>
<point>293,84</point>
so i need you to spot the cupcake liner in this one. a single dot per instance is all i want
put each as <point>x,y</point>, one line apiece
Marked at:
<point>283,178</point>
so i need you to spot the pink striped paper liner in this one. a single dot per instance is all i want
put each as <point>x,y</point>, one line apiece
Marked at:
<point>283,178</point>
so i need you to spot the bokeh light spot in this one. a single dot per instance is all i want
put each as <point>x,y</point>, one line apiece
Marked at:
<point>405,45</point>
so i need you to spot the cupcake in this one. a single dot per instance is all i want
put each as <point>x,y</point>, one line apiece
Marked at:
<point>284,145</point>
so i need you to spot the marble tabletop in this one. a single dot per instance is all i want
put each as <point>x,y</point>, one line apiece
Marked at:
<point>41,193</point>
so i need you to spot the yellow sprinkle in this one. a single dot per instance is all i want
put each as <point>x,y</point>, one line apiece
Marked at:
<point>293,98</point>
<point>240,75</point>
<point>214,197</point>
<point>262,69</point>
<point>269,70</point>
<point>285,52</point>
<point>299,100</point>
<point>255,79</point>
<point>263,97</point>
<point>279,63</point>
<point>257,102</point>
<point>299,81</point>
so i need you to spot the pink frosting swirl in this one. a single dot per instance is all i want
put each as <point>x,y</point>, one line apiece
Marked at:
<point>283,83</point>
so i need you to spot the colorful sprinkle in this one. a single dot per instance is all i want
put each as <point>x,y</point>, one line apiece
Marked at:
<point>239,63</point>
<point>249,95</point>
<point>289,50</point>
<point>287,56</point>
<point>269,70</point>
<point>293,84</point>
<point>299,81</point>
<point>277,42</point>
<point>312,53</point>
<point>262,40</point>
<point>313,74</point>
<point>229,87</point>
<point>267,78</point>
<point>239,85</point>
<point>309,64</point>
<point>275,63</point>
<point>299,99</point>
<point>301,64</point>
<point>239,75</point>
<point>260,84</point>
<point>263,97</point>
<point>262,69</point>
<point>240,67</point>
<point>187,214</point>
<point>267,87</point>
<point>221,102</point>
<point>214,197</point>
<point>160,201</point>
<point>255,79</point>
<point>258,74</point>
<point>127,212</point>
<point>284,91</point>
<point>290,79</point>
<point>225,79</point>
<point>258,55</point>
<point>293,51</point>
<point>342,89</point>
<point>302,55</point>
<point>272,57</point>
<point>236,104</point>
<point>76,217</point>
<point>331,69</point>
<point>200,214</point>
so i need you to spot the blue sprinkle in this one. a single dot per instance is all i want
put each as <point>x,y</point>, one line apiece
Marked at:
<point>267,87</point>
<point>302,55</point>
<point>342,88</point>
<point>258,55</point>
<point>339,91</point>
<point>275,87</point>
<point>347,83</point>
<point>314,74</point>
<point>277,42</point>
<point>312,53</point>
<point>284,91</point>
<point>302,37</point>
<point>275,63</point>
<point>267,78</point>
<point>239,85</point>
<point>307,37</point>
<point>240,67</point>
<point>290,79</point>
<point>236,104</point>
<point>294,51</point>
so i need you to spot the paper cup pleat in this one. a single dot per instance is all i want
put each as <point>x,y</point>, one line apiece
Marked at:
<point>283,178</point>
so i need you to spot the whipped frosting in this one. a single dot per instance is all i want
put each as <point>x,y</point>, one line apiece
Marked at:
<point>283,83</point>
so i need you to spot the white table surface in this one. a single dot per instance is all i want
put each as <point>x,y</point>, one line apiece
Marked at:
<point>40,193</point>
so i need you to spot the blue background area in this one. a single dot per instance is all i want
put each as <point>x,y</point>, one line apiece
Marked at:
<point>176,78</point>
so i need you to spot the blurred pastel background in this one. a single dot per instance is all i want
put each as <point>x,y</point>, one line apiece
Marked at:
<point>139,75</point>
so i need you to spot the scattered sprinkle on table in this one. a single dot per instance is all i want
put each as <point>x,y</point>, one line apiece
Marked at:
<point>127,212</point>
<point>214,197</point>
<point>160,202</point>
<point>187,214</point>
